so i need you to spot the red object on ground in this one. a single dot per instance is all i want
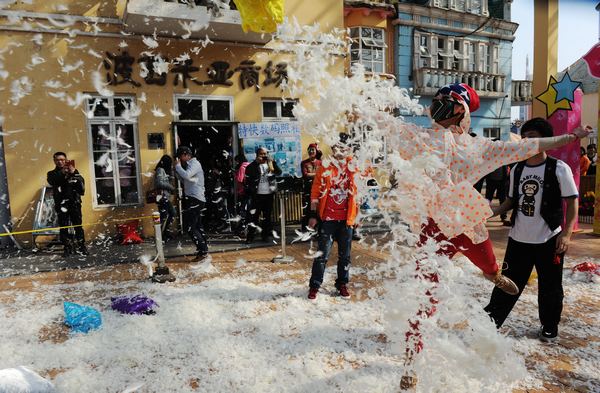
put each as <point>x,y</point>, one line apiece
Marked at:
<point>587,267</point>
<point>127,232</point>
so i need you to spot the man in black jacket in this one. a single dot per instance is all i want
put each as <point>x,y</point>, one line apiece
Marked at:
<point>68,187</point>
<point>261,185</point>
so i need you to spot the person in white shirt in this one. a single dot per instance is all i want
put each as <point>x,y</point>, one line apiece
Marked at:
<point>538,187</point>
<point>189,170</point>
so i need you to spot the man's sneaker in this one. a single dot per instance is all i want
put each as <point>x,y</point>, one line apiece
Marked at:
<point>201,256</point>
<point>504,283</point>
<point>548,335</point>
<point>312,293</point>
<point>343,291</point>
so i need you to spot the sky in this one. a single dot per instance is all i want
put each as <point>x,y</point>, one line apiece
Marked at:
<point>577,33</point>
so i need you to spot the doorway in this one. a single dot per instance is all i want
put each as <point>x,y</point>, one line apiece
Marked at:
<point>214,145</point>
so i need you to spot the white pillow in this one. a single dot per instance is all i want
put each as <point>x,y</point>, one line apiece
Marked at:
<point>23,380</point>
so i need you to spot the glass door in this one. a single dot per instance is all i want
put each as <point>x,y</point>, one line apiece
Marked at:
<point>214,145</point>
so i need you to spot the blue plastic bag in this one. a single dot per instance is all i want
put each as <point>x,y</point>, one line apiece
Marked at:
<point>81,319</point>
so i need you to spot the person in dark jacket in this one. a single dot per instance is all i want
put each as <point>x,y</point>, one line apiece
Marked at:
<point>163,176</point>
<point>309,169</point>
<point>68,187</point>
<point>261,185</point>
<point>496,183</point>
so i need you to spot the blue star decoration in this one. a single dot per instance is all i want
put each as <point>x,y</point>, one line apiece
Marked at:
<point>565,88</point>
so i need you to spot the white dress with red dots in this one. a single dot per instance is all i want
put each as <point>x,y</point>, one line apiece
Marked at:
<point>450,200</point>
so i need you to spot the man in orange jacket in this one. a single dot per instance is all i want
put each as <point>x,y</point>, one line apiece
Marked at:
<point>333,201</point>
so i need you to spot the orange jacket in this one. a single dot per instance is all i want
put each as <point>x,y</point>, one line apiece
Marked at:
<point>320,190</point>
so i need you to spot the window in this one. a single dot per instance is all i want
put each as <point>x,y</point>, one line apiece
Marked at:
<point>457,54</point>
<point>209,108</point>
<point>424,54</point>
<point>368,48</point>
<point>115,150</point>
<point>471,61</point>
<point>278,109</point>
<point>484,58</point>
<point>492,132</point>
<point>478,7</point>
<point>459,5</point>
<point>496,59</point>
<point>443,3</point>
<point>475,7</point>
<point>441,44</point>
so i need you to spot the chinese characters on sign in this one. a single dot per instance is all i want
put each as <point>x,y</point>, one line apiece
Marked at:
<point>121,66</point>
<point>154,71</point>
<point>281,139</point>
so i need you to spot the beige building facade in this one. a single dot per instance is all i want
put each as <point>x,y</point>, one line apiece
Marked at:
<point>118,85</point>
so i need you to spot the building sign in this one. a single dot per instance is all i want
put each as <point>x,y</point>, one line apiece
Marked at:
<point>281,139</point>
<point>154,70</point>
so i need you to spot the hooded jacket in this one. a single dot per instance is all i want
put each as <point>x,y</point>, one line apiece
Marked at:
<point>324,178</point>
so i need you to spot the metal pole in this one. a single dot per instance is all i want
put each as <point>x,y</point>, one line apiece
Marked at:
<point>4,200</point>
<point>282,258</point>
<point>162,271</point>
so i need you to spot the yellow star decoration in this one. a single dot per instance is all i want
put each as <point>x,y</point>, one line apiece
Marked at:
<point>548,97</point>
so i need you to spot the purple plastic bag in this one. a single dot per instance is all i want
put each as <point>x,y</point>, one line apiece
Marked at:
<point>138,304</point>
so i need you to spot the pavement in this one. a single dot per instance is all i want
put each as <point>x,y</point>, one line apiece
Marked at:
<point>583,242</point>
<point>105,252</point>
<point>560,361</point>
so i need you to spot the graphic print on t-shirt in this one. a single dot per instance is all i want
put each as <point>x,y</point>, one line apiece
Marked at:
<point>263,183</point>
<point>339,191</point>
<point>530,226</point>
<point>529,188</point>
<point>336,207</point>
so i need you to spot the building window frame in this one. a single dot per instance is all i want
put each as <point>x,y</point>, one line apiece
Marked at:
<point>470,6</point>
<point>113,136</point>
<point>280,105</point>
<point>492,132</point>
<point>368,48</point>
<point>205,115</point>
<point>456,54</point>
<point>424,43</point>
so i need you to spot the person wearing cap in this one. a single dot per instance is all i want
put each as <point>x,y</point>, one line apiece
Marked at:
<point>309,170</point>
<point>189,170</point>
<point>334,203</point>
<point>456,211</point>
